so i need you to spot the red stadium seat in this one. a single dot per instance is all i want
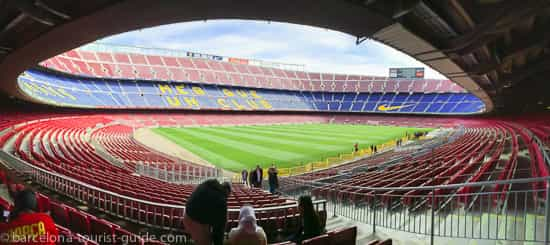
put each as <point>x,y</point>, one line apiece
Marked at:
<point>59,214</point>
<point>318,240</point>
<point>78,222</point>
<point>102,230</point>
<point>43,203</point>
<point>123,237</point>
<point>344,236</point>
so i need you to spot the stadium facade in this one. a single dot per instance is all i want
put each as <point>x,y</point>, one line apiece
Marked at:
<point>134,80</point>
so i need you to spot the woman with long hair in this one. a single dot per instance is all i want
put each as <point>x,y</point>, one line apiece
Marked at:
<point>310,225</point>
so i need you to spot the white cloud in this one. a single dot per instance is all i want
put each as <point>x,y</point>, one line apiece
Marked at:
<point>232,45</point>
<point>319,49</point>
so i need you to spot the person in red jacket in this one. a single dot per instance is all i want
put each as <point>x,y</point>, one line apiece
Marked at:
<point>26,226</point>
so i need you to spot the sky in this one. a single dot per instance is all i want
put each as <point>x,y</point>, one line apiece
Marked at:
<point>320,50</point>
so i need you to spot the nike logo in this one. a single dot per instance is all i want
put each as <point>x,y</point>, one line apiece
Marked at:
<point>392,108</point>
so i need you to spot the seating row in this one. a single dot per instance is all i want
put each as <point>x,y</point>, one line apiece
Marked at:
<point>52,88</point>
<point>476,156</point>
<point>183,69</point>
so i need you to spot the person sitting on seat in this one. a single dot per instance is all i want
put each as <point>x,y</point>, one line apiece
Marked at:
<point>248,232</point>
<point>310,222</point>
<point>26,225</point>
<point>206,212</point>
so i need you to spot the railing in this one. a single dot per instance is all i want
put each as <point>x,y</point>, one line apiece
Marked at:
<point>180,174</point>
<point>494,210</point>
<point>148,213</point>
<point>341,159</point>
<point>102,152</point>
<point>536,139</point>
<point>541,147</point>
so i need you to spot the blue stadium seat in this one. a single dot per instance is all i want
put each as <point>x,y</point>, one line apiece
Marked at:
<point>357,106</point>
<point>457,97</point>
<point>448,107</point>
<point>349,96</point>
<point>421,107</point>
<point>434,107</point>
<point>346,106</point>
<point>428,98</point>
<point>401,98</point>
<point>88,92</point>
<point>370,107</point>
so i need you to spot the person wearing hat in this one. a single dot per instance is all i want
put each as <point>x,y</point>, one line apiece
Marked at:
<point>26,225</point>
<point>248,232</point>
<point>206,212</point>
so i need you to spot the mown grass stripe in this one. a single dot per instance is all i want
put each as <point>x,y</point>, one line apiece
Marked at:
<point>362,130</point>
<point>355,128</point>
<point>238,147</point>
<point>274,147</point>
<point>294,136</point>
<point>343,144</point>
<point>322,132</point>
<point>337,139</point>
<point>199,149</point>
<point>320,152</point>
<point>277,143</point>
<point>232,154</point>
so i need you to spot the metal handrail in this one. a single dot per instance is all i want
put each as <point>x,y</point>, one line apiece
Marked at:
<point>537,140</point>
<point>433,214</point>
<point>202,174</point>
<point>541,148</point>
<point>94,188</point>
<point>409,188</point>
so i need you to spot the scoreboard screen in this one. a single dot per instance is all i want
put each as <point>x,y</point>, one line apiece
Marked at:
<point>417,72</point>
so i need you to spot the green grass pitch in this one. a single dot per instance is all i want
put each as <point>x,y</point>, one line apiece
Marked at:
<point>237,147</point>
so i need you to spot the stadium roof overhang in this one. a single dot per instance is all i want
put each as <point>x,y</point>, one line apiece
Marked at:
<point>496,49</point>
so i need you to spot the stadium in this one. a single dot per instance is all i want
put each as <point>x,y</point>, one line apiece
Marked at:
<point>116,140</point>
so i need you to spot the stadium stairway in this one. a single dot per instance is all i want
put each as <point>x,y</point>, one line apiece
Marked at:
<point>365,234</point>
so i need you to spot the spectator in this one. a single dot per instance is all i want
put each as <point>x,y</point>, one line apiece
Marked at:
<point>206,212</point>
<point>273,179</point>
<point>310,222</point>
<point>259,172</point>
<point>26,225</point>
<point>248,232</point>
<point>244,177</point>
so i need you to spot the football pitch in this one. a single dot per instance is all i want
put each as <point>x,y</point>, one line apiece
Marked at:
<point>238,147</point>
